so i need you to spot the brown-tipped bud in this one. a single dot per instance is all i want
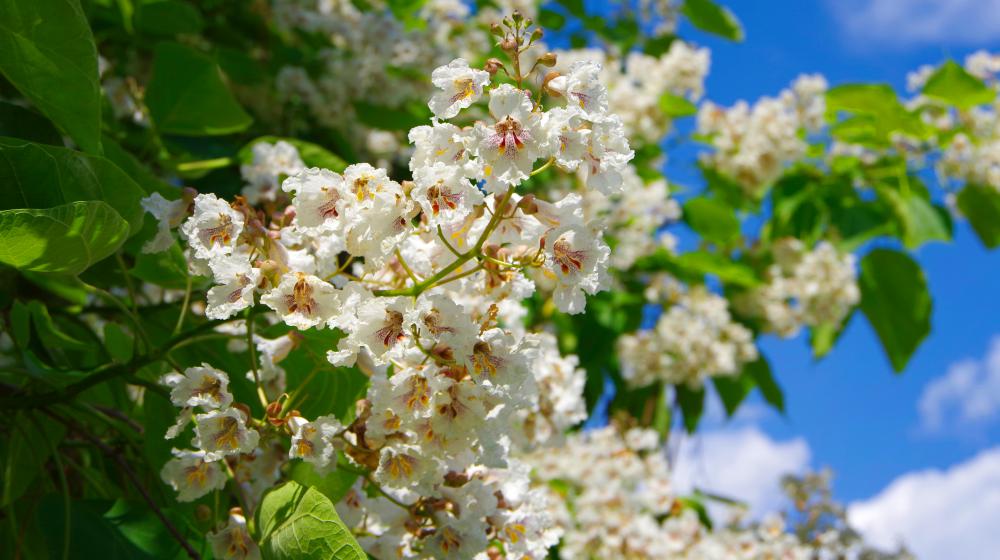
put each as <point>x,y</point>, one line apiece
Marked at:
<point>548,59</point>
<point>496,29</point>
<point>203,513</point>
<point>274,410</point>
<point>528,205</point>
<point>516,16</point>
<point>537,34</point>
<point>509,44</point>
<point>493,66</point>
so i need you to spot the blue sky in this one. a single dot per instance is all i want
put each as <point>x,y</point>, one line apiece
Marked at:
<point>849,411</point>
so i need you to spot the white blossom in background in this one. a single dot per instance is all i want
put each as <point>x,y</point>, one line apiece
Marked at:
<point>753,144</point>
<point>804,288</point>
<point>233,541</point>
<point>271,162</point>
<point>694,338</point>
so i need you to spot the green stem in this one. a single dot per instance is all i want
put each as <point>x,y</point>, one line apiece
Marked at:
<point>463,258</point>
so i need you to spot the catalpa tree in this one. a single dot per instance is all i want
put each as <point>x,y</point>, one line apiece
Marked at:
<point>344,279</point>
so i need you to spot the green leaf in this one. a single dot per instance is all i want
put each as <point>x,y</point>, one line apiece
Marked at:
<point>166,18</point>
<point>333,485</point>
<point>760,371</point>
<point>692,405</point>
<point>51,335</point>
<point>981,205</point>
<point>40,176</point>
<point>676,106</point>
<point>313,155</point>
<point>187,96</point>
<point>895,299</point>
<point>66,239</point>
<point>47,51</point>
<point>24,452</point>
<point>733,389</point>
<point>953,85</point>
<point>713,18</point>
<point>713,219</point>
<point>390,118</point>
<point>878,113</point>
<point>919,220</point>
<point>726,269</point>
<point>118,342</point>
<point>166,268</point>
<point>109,530</point>
<point>20,122</point>
<point>298,522</point>
<point>551,20</point>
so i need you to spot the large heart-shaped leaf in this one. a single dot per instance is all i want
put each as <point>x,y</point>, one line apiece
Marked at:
<point>65,239</point>
<point>42,176</point>
<point>188,97</point>
<point>47,51</point>
<point>895,299</point>
<point>299,522</point>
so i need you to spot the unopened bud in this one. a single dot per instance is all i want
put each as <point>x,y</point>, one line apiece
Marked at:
<point>528,204</point>
<point>548,59</point>
<point>509,44</point>
<point>516,16</point>
<point>537,34</point>
<point>493,66</point>
<point>273,410</point>
<point>496,29</point>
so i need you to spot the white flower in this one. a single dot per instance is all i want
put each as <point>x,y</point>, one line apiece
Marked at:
<point>214,228</point>
<point>441,143</point>
<point>320,198</point>
<point>460,87</point>
<point>578,259</point>
<point>378,324</point>
<point>509,147</point>
<point>270,162</point>
<point>302,301</point>
<point>202,386</point>
<point>238,280</point>
<point>313,441</point>
<point>583,88</point>
<point>568,137</point>
<point>169,214</point>
<point>444,195</point>
<point>233,542</point>
<point>224,432</point>
<point>606,156</point>
<point>191,476</point>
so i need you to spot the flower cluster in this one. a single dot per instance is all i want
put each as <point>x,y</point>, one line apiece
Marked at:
<point>694,338</point>
<point>804,288</point>
<point>754,144</point>
<point>637,84</point>
<point>424,278</point>
<point>623,505</point>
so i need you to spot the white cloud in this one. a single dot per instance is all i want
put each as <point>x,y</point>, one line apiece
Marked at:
<point>917,22</point>
<point>968,394</point>
<point>742,463</point>
<point>939,515</point>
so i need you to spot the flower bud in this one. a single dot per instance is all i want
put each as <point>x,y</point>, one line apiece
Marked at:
<point>496,29</point>
<point>493,66</point>
<point>516,16</point>
<point>509,44</point>
<point>548,59</point>
<point>537,34</point>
